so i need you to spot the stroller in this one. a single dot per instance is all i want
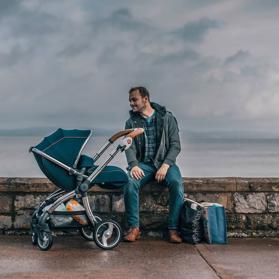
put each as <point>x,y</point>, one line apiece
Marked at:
<point>59,158</point>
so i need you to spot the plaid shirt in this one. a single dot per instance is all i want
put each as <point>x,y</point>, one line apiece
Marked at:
<point>167,138</point>
<point>149,125</point>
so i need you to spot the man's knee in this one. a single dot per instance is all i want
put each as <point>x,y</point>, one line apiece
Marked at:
<point>131,187</point>
<point>175,185</point>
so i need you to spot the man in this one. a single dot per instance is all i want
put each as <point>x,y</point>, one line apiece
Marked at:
<point>152,155</point>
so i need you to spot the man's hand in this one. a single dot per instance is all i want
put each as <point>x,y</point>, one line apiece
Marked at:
<point>137,172</point>
<point>161,173</point>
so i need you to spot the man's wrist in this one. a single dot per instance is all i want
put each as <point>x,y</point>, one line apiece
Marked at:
<point>132,164</point>
<point>168,162</point>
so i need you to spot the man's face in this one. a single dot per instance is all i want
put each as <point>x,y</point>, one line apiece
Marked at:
<point>137,102</point>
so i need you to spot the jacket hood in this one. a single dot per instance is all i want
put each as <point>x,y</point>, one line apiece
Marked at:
<point>158,108</point>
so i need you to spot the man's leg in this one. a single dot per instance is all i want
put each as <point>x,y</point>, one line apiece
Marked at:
<point>131,194</point>
<point>174,182</point>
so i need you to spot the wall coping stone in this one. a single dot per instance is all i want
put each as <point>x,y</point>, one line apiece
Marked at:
<point>191,185</point>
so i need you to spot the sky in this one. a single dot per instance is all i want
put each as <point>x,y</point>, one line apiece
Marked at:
<point>70,64</point>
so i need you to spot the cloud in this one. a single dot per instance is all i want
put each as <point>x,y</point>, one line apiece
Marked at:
<point>8,7</point>
<point>196,30</point>
<point>238,57</point>
<point>177,58</point>
<point>124,20</point>
<point>70,63</point>
<point>118,28</point>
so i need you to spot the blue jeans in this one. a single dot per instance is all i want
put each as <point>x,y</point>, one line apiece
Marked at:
<point>173,180</point>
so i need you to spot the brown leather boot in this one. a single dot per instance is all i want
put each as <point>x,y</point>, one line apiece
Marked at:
<point>174,237</point>
<point>133,235</point>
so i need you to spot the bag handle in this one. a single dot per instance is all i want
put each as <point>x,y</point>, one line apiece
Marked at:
<point>187,199</point>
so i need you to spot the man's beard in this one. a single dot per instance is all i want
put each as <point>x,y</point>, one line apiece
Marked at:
<point>140,110</point>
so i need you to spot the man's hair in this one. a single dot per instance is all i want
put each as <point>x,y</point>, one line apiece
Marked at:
<point>142,90</point>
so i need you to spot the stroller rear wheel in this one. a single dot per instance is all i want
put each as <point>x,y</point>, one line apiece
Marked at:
<point>108,234</point>
<point>45,241</point>
<point>88,232</point>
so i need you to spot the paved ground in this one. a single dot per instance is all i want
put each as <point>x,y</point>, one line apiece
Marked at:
<point>73,257</point>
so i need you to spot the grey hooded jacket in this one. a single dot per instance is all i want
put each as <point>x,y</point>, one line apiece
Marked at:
<point>167,138</point>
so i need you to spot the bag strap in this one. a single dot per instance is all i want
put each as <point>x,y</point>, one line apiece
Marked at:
<point>204,204</point>
<point>187,199</point>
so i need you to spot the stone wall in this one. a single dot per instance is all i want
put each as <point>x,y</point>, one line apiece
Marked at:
<point>252,204</point>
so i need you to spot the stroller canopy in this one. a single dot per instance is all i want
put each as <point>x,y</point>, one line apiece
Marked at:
<point>66,146</point>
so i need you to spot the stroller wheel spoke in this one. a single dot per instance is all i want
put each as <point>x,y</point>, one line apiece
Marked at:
<point>34,238</point>
<point>104,240</point>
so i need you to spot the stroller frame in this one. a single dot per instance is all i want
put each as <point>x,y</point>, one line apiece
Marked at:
<point>106,233</point>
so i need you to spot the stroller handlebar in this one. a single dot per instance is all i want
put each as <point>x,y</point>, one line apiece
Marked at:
<point>136,132</point>
<point>128,133</point>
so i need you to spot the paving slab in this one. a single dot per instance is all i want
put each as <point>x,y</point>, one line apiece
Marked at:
<point>244,258</point>
<point>73,257</point>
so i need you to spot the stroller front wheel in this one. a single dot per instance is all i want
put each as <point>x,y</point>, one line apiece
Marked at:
<point>107,234</point>
<point>34,238</point>
<point>45,241</point>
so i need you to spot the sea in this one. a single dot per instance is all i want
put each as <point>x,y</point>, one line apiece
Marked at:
<point>201,156</point>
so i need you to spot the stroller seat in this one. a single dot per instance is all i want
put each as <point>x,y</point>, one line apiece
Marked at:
<point>66,147</point>
<point>111,177</point>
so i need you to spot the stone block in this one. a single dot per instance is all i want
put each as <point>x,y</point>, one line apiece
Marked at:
<point>98,189</point>
<point>262,222</point>
<point>264,184</point>
<point>273,202</point>
<point>212,184</point>
<point>25,184</point>
<point>236,221</point>
<point>23,219</point>
<point>147,203</point>
<point>154,202</point>
<point>151,203</point>
<point>153,186</point>
<point>253,222</point>
<point>100,203</point>
<point>5,222</point>
<point>253,233</point>
<point>242,184</point>
<point>153,221</point>
<point>237,234</point>
<point>118,203</point>
<point>257,184</point>
<point>161,198</point>
<point>29,201</point>
<point>250,203</point>
<point>5,203</point>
